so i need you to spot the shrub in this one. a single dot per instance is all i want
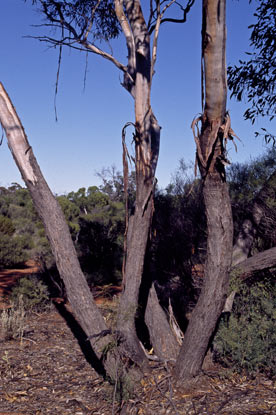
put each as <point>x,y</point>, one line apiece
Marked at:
<point>12,250</point>
<point>6,226</point>
<point>247,340</point>
<point>32,292</point>
<point>13,322</point>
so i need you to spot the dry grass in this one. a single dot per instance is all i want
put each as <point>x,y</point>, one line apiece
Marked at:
<point>13,322</point>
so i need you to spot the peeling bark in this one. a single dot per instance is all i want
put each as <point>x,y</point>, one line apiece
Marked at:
<point>164,342</point>
<point>210,151</point>
<point>213,294</point>
<point>147,138</point>
<point>137,81</point>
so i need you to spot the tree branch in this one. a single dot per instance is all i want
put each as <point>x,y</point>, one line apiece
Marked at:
<point>94,49</point>
<point>258,262</point>
<point>185,11</point>
<point>88,30</point>
<point>79,38</point>
<point>68,41</point>
<point>129,81</point>
<point>155,39</point>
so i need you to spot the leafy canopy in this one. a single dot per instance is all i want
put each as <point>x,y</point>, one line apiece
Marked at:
<point>255,79</point>
<point>81,14</point>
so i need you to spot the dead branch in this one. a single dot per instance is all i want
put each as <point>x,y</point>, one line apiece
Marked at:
<point>185,10</point>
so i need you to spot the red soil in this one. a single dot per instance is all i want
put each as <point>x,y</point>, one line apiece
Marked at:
<point>8,278</point>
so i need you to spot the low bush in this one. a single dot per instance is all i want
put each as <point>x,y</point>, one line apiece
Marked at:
<point>12,250</point>
<point>32,292</point>
<point>247,339</point>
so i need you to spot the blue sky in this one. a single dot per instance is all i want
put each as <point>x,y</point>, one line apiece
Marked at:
<point>87,136</point>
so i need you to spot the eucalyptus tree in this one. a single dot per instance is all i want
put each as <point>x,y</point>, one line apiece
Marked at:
<point>254,79</point>
<point>82,23</point>
<point>210,142</point>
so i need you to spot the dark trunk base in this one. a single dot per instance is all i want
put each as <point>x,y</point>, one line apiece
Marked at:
<point>212,298</point>
<point>163,340</point>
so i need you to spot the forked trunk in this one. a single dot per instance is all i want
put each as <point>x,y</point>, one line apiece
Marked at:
<point>215,130</point>
<point>147,137</point>
<point>162,338</point>
<point>147,142</point>
<point>133,274</point>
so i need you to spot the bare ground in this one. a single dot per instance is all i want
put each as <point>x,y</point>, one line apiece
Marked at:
<point>8,278</point>
<point>46,373</point>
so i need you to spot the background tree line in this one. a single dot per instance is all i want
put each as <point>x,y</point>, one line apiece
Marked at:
<point>96,218</point>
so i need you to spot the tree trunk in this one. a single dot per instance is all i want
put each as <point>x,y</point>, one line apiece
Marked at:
<point>215,130</point>
<point>213,294</point>
<point>137,81</point>
<point>147,137</point>
<point>147,142</point>
<point>133,274</point>
<point>57,231</point>
<point>163,340</point>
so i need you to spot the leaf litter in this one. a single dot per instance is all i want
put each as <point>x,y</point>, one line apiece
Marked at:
<point>46,373</point>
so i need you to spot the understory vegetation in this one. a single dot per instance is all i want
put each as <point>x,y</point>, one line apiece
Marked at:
<point>245,339</point>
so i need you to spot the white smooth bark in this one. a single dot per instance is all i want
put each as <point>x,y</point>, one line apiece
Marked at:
<point>17,139</point>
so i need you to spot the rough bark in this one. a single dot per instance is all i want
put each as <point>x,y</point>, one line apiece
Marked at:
<point>212,298</point>
<point>162,337</point>
<point>210,154</point>
<point>129,298</point>
<point>258,262</point>
<point>137,81</point>
<point>147,137</point>
<point>57,231</point>
<point>164,342</point>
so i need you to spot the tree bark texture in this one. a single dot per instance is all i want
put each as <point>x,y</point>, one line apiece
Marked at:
<point>137,81</point>
<point>164,342</point>
<point>57,231</point>
<point>258,262</point>
<point>210,153</point>
<point>147,138</point>
<point>213,294</point>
